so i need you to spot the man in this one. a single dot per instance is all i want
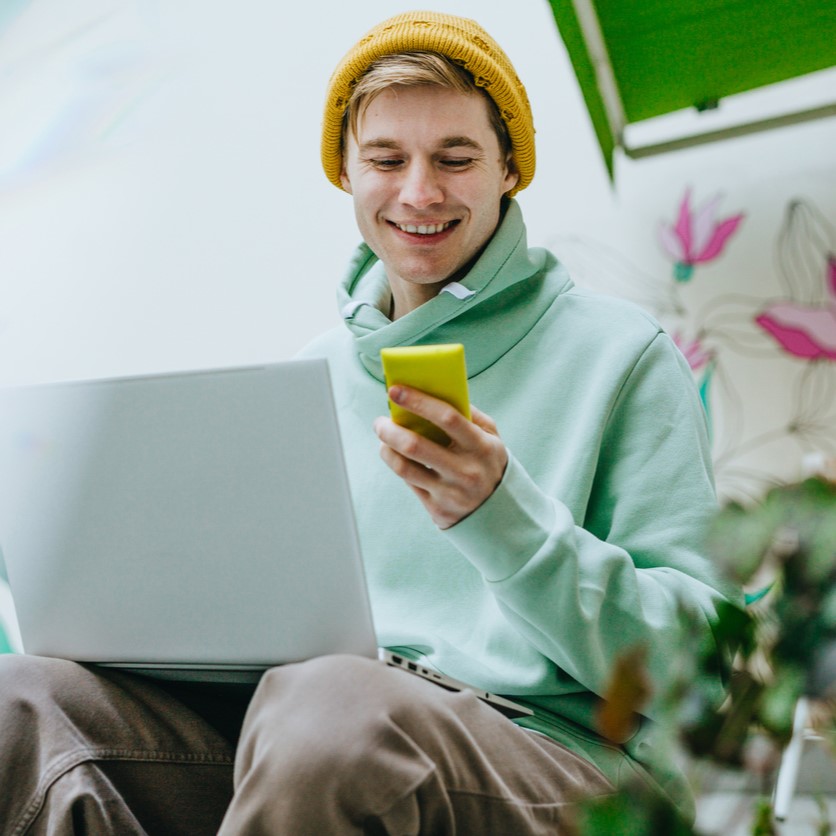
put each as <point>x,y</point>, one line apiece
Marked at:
<point>540,556</point>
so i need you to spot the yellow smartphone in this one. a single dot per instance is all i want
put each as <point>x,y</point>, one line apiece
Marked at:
<point>438,370</point>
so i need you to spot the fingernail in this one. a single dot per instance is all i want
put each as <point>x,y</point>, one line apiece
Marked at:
<point>397,394</point>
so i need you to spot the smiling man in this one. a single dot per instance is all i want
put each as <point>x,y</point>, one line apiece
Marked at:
<point>427,174</point>
<point>561,528</point>
<point>558,531</point>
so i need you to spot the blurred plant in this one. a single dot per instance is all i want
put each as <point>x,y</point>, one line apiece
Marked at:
<point>788,541</point>
<point>633,812</point>
<point>697,236</point>
<point>783,645</point>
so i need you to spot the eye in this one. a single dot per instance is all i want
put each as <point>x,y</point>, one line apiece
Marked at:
<point>457,162</point>
<point>386,163</point>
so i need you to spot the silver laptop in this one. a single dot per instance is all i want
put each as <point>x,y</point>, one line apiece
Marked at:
<point>192,525</point>
<point>199,518</point>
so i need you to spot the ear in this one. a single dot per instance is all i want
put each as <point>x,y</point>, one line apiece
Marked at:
<point>512,174</point>
<point>344,179</point>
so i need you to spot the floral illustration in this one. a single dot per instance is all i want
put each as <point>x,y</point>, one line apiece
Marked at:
<point>697,236</point>
<point>806,332</point>
<point>804,323</point>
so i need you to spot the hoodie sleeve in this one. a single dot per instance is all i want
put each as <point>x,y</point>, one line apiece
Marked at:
<point>583,591</point>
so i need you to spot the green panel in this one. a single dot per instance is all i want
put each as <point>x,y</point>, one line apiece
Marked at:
<point>683,53</point>
<point>567,25</point>
<point>673,54</point>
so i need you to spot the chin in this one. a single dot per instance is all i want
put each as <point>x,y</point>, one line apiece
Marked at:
<point>436,275</point>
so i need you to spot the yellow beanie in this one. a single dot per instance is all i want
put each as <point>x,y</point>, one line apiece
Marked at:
<point>458,38</point>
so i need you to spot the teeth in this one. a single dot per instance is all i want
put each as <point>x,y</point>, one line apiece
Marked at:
<point>424,229</point>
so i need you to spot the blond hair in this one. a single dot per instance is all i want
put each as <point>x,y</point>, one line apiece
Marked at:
<point>418,69</point>
<point>462,42</point>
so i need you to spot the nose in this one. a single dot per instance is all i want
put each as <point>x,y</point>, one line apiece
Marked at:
<point>420,186</point>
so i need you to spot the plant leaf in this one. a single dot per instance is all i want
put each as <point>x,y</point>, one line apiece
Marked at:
<point>627,693</point>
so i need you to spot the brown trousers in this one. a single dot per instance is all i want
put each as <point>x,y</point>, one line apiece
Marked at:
<point>336,745</point>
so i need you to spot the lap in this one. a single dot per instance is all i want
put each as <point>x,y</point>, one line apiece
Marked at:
<point>369,731</point>
<point>391,744</point>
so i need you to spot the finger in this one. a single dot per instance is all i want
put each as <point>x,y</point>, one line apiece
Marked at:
<point>444,506</point>
<point>438,412</point>
<point>483,421</point>
<point>408,444</point>
<point>417,476</point>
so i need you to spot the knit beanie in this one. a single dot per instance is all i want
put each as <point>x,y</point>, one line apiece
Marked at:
<point>460,39</point>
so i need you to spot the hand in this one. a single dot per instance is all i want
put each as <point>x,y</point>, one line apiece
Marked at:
<point>451,481</point>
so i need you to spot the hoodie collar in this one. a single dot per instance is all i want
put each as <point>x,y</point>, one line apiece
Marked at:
<point>507,282</point>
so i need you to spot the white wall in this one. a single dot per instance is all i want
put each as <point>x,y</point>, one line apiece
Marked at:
<point>161,200</point>
<point>162,204</point>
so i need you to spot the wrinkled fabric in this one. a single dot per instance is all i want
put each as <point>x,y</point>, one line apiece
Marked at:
<point>88,751</point>
<point>345,745</point>
<point>336,745</point>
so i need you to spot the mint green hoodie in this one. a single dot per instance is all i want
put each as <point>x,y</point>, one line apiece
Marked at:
<point>593,534</point>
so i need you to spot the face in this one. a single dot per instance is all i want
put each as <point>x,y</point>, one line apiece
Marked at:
<point>426,174</point>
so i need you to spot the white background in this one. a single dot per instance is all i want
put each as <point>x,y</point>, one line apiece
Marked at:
<point>162,205</point>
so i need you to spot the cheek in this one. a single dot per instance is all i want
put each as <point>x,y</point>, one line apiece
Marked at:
<point>369,196</point>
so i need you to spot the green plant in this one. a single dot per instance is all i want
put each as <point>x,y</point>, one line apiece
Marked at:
<point>780,647</point>
<point>785,546</point>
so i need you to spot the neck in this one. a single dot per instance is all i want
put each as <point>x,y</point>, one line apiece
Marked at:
<point>407,299</point>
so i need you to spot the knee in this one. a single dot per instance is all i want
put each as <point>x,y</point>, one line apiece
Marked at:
<point>23,682</point>
<point>329,673</point>
<point>21,674</point>
<point>348,725</point>
<point>28,684</point>
<point>345,710</point>
<point>344,691</point>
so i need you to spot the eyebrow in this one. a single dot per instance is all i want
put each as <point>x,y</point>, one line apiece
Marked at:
<point>388,144</point>
<point>461,142</point>
<point>447,142</point>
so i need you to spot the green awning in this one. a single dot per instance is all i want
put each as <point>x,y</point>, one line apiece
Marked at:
<point>637,59</point>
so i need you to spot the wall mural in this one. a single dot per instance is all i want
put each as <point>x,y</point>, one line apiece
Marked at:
<point>804,322</point>
<point>763,434</point>
<point>697,237</point>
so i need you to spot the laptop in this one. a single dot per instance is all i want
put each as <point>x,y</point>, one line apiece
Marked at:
<point>193,526</point>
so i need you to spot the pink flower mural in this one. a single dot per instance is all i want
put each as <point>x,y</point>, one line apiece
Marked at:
<point>697,236</point>
<point>805,331</point>
<point>803,323</point>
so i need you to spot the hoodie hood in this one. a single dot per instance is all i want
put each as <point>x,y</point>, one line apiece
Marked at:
<point>509,282</point>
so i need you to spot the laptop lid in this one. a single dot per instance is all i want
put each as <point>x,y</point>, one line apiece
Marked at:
<point>187,520</point>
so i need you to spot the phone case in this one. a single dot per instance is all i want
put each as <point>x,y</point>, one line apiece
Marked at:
<point>438,370</point>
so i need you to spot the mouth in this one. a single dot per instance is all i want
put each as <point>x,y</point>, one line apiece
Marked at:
<point>424,229</point>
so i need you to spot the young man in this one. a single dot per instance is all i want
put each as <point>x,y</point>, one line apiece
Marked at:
<point>525,563</point>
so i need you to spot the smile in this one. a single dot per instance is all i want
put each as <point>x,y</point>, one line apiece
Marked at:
<point>425,229</point>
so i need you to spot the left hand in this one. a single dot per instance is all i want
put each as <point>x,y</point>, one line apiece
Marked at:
<point>451,481</point>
